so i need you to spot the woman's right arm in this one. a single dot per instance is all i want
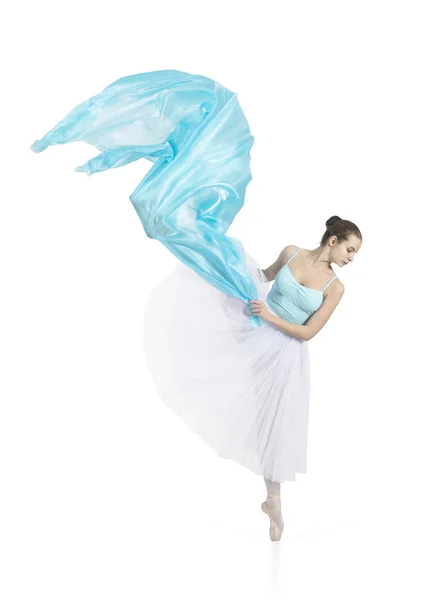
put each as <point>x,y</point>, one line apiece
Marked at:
<point>272,271</point>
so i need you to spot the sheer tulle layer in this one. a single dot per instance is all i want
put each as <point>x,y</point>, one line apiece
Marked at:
<point>245,391</point>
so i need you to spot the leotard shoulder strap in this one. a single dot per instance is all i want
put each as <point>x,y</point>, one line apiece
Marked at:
<point>291,257</point>
<point>332,279</point>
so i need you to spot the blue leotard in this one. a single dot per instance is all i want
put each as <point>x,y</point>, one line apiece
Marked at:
<point>290,299</point>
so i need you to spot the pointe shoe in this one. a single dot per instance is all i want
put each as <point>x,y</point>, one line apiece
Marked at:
<point>275,531</point>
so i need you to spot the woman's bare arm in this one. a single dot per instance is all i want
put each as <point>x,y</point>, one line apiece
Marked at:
<point>297,331</point>
<point>321,316</point>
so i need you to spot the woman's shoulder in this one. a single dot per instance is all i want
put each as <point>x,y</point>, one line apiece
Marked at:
<point>272,271</point>
<point>336,287</point>
<point>288,251</point>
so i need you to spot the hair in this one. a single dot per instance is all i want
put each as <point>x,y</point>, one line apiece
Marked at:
<point>341,228</point>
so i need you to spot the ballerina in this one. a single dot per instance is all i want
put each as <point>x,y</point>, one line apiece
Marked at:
<point>246,391</point>
<point>288,297</point>
<point>226,353</point>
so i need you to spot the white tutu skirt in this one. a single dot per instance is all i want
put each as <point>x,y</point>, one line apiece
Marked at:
<point>245,391</point>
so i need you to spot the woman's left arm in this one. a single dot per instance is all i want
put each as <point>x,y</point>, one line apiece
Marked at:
<point>308,330</point>
<point>298,331</point>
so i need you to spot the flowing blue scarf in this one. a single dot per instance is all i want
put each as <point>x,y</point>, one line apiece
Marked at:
<point>195,132</point>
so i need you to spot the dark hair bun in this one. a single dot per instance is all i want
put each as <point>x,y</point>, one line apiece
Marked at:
<point>330,222</point>
<point>339,228</point>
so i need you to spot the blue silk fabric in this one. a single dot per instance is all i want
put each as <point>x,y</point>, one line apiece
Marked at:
<point>195,132</point>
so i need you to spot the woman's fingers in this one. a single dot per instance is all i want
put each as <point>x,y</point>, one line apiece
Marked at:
<point>256,306</point>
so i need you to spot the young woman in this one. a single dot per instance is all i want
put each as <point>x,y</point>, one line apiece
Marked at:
<point>246,391</point>
<point>234,366</point>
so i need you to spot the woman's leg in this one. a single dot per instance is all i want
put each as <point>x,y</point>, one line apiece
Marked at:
<point>273,500</point>
<point>272,487</point>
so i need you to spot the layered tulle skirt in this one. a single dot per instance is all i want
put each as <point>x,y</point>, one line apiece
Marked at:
<point>245,391</point>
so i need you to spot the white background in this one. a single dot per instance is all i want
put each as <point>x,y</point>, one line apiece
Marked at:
<point>106,494</point>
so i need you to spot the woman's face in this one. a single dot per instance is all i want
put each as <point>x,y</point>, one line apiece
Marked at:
<point>345,251</point>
